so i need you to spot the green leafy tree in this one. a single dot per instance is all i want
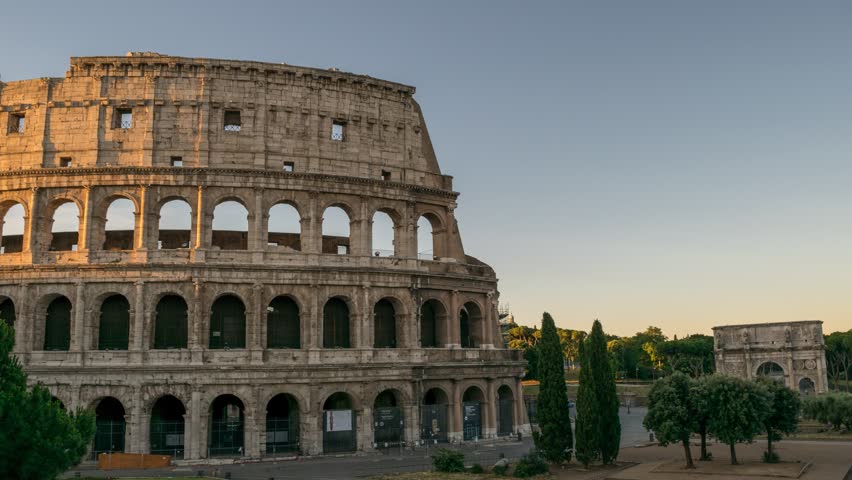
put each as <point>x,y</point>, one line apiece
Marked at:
<point>692,355</point>
<point>783,416</point>
<point>738,410</point>
<point>603,381</point>
<point>671,414</point>
<point>838,357</point>
<point>586,449</point>
<point>700,399</point>
<point>554,440</point>
<point>38,439</point>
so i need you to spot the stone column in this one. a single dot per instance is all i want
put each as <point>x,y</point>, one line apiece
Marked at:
<point>200,243</point>
<point>454,412</point>
<point>85,230</point>
<point>138,334</point>
<point>360,233</point>
<point>141,233</point>
<point>134,430</point>
<point>365,319</point>
<point>255,325</point>
<point>453,329</point>
<point>311,226</point>
<point>197,322</point>
<point>77,338</point>
<point>188,438</point>
<point>32,222</point>
<point>259,226</point>
<point>522,423</point>
<point>195,442</point>
<point>489,428</point>
<point>24,324</point>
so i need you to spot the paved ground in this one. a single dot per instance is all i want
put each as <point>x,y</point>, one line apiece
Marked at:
<point>355,466</point>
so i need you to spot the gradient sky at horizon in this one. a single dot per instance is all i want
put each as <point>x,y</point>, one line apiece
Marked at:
<point>668,163</point>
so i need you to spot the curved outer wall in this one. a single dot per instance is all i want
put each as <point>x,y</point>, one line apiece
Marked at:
<point>179,107</point>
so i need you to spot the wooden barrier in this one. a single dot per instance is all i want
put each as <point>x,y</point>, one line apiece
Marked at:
<point>115,461</point>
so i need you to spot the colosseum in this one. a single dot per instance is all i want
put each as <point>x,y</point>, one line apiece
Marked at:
<point>169,260</point>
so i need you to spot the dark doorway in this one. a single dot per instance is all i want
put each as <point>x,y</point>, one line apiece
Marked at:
<point>109,427</point>
<point>228,323</point>
<point>472,414</point>
<point>282,424</point>
<point>387,420</point>
<point>505,411</point>
<point>335,324</point>
<point>429,324</point>
<point>167,427</point>
<point>282,316</point>
<point>227,422</point>
<point>7,312</point>
<point>384,325</point>
<point>170,326</point>
<point>57,326</point>
<point>114,328</point>
<point>338,424</point>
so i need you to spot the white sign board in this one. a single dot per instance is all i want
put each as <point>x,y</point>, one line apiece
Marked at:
<point>338,420</point>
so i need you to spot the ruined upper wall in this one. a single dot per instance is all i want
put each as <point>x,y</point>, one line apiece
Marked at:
<point>179,107</point>
<point>806,333</point>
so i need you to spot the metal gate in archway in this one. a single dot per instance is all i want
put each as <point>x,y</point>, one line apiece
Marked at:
<point>472,424</point>
<point>505,416</point>
<point>167,438</point>
<point>388,427</point>
<point>109,437</point>
<point>433,423</point>
<point>338,431</point>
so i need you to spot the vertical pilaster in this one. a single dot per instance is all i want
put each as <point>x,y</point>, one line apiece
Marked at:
<point>258,240</point>
<point>138,339</point>
<point>489,429</point>
<point>453,330</point>
<point>311,224</point>
<point>24,324</point>
<point>200,242</point>
<point>29,248</point>
<point>85,232</point>
<point>454,411</point>
<point>141,234</point>
<point>77,340</point>
<point>197,324</point>
<point>365,320</point>
<point>196,444</point>
<point>255,324</point>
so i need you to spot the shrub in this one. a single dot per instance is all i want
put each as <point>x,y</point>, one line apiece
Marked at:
<point>500,470</point>
<point>448,461</point>
<point>476,468</point>
<point>530,465</point>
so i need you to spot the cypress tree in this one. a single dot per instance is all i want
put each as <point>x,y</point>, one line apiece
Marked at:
<point>586,449</point>
<point>555,440</point>
<point>603,382</point>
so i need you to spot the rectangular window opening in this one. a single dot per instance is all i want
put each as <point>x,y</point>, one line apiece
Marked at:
<point>124,118</point>
<point>337,131</point>
<point>232,121</point>
<point>177,161</point>
<point>17,122</point>
<point>386,175</point>
<point>289,166</point>
<point>65,162</point>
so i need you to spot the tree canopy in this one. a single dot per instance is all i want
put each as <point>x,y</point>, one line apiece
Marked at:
<point>555,439</point>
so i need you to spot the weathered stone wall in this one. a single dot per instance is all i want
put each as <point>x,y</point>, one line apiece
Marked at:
<point>798,348</point>
<point>384,162</point>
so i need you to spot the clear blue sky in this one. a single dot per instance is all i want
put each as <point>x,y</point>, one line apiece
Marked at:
<point>680,164</point>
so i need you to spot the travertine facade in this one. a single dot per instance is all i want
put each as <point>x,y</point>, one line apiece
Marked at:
<point>121,320</point>
<point>792,352</point>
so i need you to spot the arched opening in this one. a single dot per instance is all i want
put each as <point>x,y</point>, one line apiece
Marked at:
<point>285,228</point>
<point>335,324</point>
<point>383,235</point>
<point>59,403</point>
<point>335,231</point>
<point>806,386</point>
<point>282,424</point>
<point>175,225</point>
<point>387,420</point>
<point>230,226</point>
<point>771,370</point>
<point>472,401</point>
<point>170,324</point>
<point>384,324</point>
<point>7,311</point>
<point>57,325</point>
<point>65,228</point>
<point>120,224</point>
<point>426,238</point>
<point>167,427</point>
<point>282,323</point>
<point>227,422</point>
<point>338,424</point>
<point>470,325</point>
<point>12,230</point>
<point>114,326</point>
<point>434,416</point>
<point>228,323</point>
<point>433,317</point>
<point>109,427</point>
<point>505,411</point>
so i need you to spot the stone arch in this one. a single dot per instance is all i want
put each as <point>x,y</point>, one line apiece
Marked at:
<point>807,386</point>
<point>433,323</point>
<point>431,242</point>
<point>175,227</point>
<point>110,426</point>
<point>171,322</point>
<point>771,370</point>
<point>337,220</point>
<point>388,418</point>
<point>473,403</point>
<point>283,323</point>
<point>226,434</point>
<point>65,235</point>
<point>114,323</point>
<point>284,226</point>
<point>57,323</point>
<point>114,222</point>
<point>282,424</point>
<point>230,224</point>
<point>435,415</point>
<point>227,322</point>
<point>340,423</point>
<point>7,310</point>
<point>385,223</point>
<point>167,425</point>
<point>471,326</point>
<point>505,410</point>
<point>13,219</point>
<point>337,323</point>
<point>386,323</point>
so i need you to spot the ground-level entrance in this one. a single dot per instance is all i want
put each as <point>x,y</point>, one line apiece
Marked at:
<point>339,432</point>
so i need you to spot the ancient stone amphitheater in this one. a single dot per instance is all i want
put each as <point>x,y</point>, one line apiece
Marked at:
<point>269,337</point>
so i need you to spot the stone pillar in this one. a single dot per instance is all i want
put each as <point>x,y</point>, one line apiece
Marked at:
<point>77,337</point>
<point>454,412</point>
<point>24,324</point>
<point>138,333</point>
<point>522,423</point>
<point>489,428</point>
<point>202,219</point>
<point>360,230</point>
<point>259,225</point>
<point>188,438</point>
<point>32,222</point>
<point>311,226</point>
<point>141,233</point>
<point>195,444</point>
<point>255,325</point>
<point>453,329</point>
<point>313,319</point>
<point>85,231</point>
<point>251,441</point>
<point>135,425</point>
<point>197,323</point>
<point>365,320</point>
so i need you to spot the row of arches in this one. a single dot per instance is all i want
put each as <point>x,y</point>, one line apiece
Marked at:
<point>230,227</point>
<point>282,422</point>
<point>228,318</point>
